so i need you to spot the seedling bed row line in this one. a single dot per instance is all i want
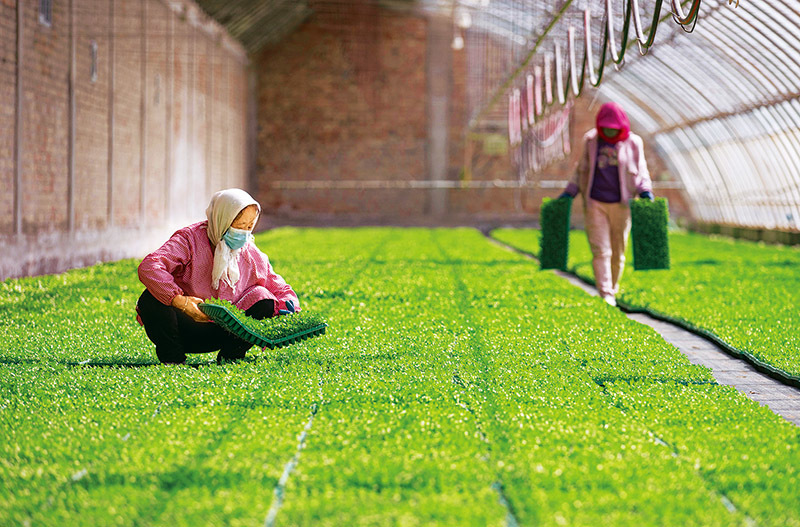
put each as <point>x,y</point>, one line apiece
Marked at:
<point>767,369</point>
<point>280,488</point>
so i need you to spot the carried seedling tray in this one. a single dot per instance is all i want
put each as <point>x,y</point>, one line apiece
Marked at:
<point>554,219</point>
<point>225,318</point>
<point>649,232</point>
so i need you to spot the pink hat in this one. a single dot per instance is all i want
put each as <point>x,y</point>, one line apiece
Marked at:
<point>611,115</point>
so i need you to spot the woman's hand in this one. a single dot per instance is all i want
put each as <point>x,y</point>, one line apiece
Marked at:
<point>188,304</point>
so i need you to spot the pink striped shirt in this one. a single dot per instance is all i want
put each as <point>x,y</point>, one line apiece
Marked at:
<point>183,265</point>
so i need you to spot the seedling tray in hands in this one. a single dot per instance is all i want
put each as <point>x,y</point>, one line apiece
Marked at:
<point>649,233</point>
<point>554,219</point>
<point>278,337</point>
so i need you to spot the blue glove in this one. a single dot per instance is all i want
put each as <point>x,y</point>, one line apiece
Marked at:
<point>289,308</point>
<point>647,195</point>
<point>565,195</point>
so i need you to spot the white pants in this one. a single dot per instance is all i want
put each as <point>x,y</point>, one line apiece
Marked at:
<point>607,227</point>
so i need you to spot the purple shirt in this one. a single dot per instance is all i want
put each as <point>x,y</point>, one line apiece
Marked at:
<point>606,186</point>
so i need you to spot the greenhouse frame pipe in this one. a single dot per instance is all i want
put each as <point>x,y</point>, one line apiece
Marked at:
<point>749,64</point>
<point>776,118</point>
<point>740,58</point>
<point>734,186</point>
<point>748,54</point>
<point>715,206</point>
<point>794,117</point>
<point>700,186</point>
<point>678,166</point>
<point>731,130</point>
<point>641,114</point>
<point>782,113</point>
<point>661,87</point>
<point>788,28</point>
<point>780,44</point>
<point>792,19</point>
<point>788,160</point>
<point>657,115</point>
<point>791,159</point>
<point>711,169</point>
<point>756,81</point>
<point>768,58</point>
<point>700,100</point>
<point>720,76</point>
<point>721,162</point>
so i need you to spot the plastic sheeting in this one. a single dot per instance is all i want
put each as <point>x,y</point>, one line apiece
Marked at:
<point>720,102</point>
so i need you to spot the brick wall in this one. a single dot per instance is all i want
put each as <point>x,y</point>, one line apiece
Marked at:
<point>8,65</point>
<point>156,85</point>
<point>91,124</point>
<point>45,121</point>
<point>149,140</point>
<point>331,109</point>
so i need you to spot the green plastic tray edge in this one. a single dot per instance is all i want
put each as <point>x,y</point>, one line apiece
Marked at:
<point>229,321</point>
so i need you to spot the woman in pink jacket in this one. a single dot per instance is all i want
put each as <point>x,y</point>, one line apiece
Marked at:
<point>611,171</point>
<point>216,258</point>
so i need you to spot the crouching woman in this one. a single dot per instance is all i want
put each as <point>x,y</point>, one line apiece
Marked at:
<point>216,258</point>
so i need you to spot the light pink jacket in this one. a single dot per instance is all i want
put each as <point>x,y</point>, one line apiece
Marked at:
<point>633,174</point>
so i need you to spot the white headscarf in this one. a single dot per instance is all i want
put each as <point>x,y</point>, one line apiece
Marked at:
<point>225,205</point>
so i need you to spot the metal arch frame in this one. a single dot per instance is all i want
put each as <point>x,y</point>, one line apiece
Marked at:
<point>679,165</point>
<point>720,150</point>
<point>720,76</point>
<point>722,160</point>
<point>767,59</point>
<point>786,120</point>
<point>767,80</point>
<point>764,79</point>
<point>779,115</point>
<point>743,151</point>
<point>788,156</point>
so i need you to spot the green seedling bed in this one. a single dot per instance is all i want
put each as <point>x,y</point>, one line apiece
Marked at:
<point>225,317</point>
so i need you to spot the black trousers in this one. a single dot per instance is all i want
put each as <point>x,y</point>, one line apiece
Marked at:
<point>175,333</point>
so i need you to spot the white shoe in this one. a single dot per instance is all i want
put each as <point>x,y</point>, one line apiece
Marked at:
<point>610,300</point>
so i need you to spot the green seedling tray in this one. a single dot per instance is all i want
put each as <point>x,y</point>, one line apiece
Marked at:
<point>554,220</point>
<point>222,316</point>
<point>650,220</point>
